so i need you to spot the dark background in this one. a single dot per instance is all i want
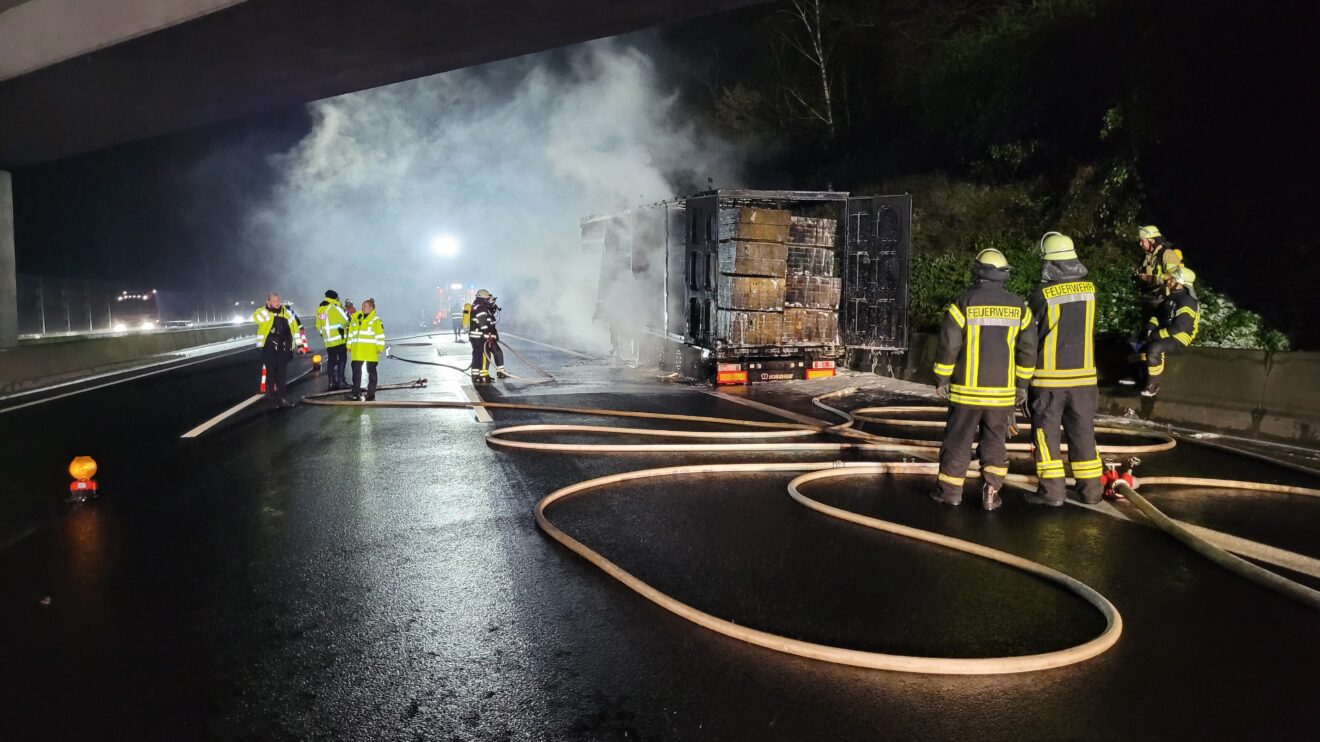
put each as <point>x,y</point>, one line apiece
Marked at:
<point>1219,130</point>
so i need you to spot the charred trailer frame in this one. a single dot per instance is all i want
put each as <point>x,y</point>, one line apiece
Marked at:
<point>743,286</point>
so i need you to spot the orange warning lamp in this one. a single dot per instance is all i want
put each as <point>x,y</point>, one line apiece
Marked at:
<point>82,469</point>
<point>316,361</point>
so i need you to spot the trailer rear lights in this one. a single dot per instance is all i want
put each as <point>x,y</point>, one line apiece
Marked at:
<point>729,367</point>
<point>731,377</point>
<point>822,364</point>
<point>819,373</point>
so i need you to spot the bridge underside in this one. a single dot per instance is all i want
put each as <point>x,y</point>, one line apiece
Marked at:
<point>268,54</point>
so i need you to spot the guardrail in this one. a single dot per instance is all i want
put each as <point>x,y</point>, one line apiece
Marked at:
<point>1259,393</point>
<point>32,365</point>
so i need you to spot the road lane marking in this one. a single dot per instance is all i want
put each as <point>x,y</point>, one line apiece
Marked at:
<point>551,347</point>
<point>200,429</point>
<point>482,415</point>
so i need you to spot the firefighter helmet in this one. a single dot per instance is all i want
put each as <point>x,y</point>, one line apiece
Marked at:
<point>1148,232</point>
<point>1183,275</point>
<point>1057,246</point>
<point>992,258</point>
<point>483,294</point>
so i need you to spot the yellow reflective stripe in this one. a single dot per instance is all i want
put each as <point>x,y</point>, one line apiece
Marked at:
<point>980,401</point>
<point>1052,338</point>
<point>1163,333</point>
<point>1026,318</point>
<point>1000,470</point>
<point>1155,370</point>
<point>1187,310</point>
<point>1063,383</point>
<point>1025,373</point>
<point>950,479</point>
<point>1183,338</point>
<point>943,369</point>
<point>1012,357</point>
<point>957,315</point>
<point>1154,321</point>
<point>1088,352</point>
<point>973,370</point>
<point>1043,447</point>
<point>1067,373</point>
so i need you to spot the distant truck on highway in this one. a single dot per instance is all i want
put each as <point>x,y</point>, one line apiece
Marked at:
<point>742,286</point>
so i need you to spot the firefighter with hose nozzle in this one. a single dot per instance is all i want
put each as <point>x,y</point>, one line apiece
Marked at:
<point>485,338</point>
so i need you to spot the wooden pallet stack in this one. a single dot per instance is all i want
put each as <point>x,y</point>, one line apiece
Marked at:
<point>753,257</point>
<point>811,295</point>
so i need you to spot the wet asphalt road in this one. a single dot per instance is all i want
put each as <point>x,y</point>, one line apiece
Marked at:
<point>337,573</point>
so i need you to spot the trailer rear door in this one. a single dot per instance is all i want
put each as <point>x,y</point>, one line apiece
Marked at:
<point>877,240</point>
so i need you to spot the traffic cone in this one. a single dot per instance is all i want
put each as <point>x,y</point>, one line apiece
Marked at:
<point>263,378</point>
<point>303,331</point>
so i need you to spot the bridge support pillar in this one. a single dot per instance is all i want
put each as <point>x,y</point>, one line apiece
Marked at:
<point>8,270</point>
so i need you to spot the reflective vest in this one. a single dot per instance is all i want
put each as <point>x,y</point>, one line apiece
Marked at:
<point>265,318</point>
<point>366,337</point>
<point>332,323</point>
<point>987,347</point>
<point>1064,312</point>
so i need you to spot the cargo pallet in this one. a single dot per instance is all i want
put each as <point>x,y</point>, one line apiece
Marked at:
<point>743,286</point>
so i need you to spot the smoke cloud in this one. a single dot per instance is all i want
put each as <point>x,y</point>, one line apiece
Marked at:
<point>503,158</point>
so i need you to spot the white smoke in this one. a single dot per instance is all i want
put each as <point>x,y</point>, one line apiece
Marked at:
<point>505,158</point>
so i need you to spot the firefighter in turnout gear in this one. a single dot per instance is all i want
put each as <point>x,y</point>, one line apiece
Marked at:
<point>485,338</point>
<point>1173,327</point>
<point>1159,258</point>
<point>332,323</point>
<point>277,333</point>
<point>986,358</point>
<point>366,341</point>
<point>1063,390</point>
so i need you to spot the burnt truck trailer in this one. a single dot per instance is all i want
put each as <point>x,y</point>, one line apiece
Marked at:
<point>745,286</point>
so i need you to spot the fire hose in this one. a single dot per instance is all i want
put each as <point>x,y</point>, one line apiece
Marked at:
<point>548,377</point>
<point>769,436</point>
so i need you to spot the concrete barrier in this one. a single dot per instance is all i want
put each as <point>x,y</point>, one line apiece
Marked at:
<point>1226,390</point>
<point>32,366</point>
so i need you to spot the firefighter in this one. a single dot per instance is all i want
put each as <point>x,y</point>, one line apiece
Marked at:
<point>366,340</point>
<point>277,330</point>
<point>1173,327</point>
<point>485,338</point>
<point>1063,389</point>
<point>986,358</point>
<point>332,323</point>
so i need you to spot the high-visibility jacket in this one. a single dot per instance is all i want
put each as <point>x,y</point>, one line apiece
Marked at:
<point>1179,317</point>
<point>483,319</point>
<point>987,346</point>
<point>1064,313</point>
<point>265,319</point>
<point>332,323</point>
<point>366,337</point>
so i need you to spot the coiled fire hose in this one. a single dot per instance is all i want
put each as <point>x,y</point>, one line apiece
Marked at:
<point>770,436</point>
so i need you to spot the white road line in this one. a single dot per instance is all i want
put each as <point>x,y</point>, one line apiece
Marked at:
<point>123,380</point>
<point>197,431</point>
<point>482,415</point>
<point>551,347</point>
<point>200,429</point>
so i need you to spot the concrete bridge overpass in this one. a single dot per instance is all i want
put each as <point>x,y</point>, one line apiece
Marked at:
<point>81,75</point>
